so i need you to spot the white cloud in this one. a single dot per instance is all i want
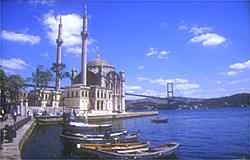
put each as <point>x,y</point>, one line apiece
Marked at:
<point>241,66</point>
<point>132,89</point>
<point>199,30</point>
<point>19,37</point>
<point>179,80</point>
<point>140,79</point>
<point>208,39</point>
<point>181,84</point>
<point>74,50</point>
<point>164,52</point>
<point>13,63</point>
<point>128,87</point>
<point>182,27</point>
<point>152,51</point>
<point>187,86</point>
<point>141,67</point>
<point>71,29</point>
<point>161,54</point>
<point>246,80</point>
<point>204,35</point>
<point>163,82</point>
<point>232,73</point>
<point>41,2</point>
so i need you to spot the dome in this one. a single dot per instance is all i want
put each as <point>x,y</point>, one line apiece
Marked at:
<point>98,61</point>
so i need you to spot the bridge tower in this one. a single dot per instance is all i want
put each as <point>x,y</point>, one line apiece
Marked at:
<point>170,90</point>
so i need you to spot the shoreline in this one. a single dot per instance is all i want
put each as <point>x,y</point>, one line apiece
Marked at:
<point>122,115</point>
<point>105,117</point>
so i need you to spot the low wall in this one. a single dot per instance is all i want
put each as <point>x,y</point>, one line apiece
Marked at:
<point>26,136</point>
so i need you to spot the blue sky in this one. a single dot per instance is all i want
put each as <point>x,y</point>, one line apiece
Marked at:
<point>203,47</point>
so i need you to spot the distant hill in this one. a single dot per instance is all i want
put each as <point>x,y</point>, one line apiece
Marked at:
<point>241,99</point>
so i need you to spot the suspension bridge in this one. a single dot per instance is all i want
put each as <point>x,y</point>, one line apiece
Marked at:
<point>169,87</point>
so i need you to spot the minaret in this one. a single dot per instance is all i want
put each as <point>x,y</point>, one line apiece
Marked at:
<point>59,42</point>
<point>84,35</point>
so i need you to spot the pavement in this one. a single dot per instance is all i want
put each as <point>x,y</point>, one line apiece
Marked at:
<point>11,151</point>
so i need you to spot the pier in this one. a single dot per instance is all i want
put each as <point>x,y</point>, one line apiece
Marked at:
<point>94,117</point>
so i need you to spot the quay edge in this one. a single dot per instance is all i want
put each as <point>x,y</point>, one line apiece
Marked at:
<point>121,115</point>
<point>14,150</point>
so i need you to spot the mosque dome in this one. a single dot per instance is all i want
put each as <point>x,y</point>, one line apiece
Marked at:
<point>98,61</point>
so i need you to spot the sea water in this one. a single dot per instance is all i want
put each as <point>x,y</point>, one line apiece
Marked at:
<point>204,133</point>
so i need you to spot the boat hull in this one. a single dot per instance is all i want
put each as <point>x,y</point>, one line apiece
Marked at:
<point>154,154</point>
<point>49,120</point>
<point>98,139</point>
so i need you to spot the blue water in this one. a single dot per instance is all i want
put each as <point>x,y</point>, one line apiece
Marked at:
<point>214,133</point>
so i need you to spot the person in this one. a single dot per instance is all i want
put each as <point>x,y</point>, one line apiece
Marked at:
<point>2,114</point>
<point>72,115</point>
<point>14,115</point>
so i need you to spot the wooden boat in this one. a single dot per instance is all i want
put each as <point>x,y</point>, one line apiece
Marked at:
<point>44,120</point>
<point>159,120</point>
<point>131,151</point>
<point>116,136</point>
<point>117,146</point>
<point>81,127</point>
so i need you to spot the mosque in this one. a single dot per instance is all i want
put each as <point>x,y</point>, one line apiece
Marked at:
<point>98,88</point>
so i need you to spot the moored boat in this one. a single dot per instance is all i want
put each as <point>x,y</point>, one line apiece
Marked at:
<point>44,120</point>
<point>159,120</point>
<point>82,132</point>
<point>99,138</point>
<point>131,151</point>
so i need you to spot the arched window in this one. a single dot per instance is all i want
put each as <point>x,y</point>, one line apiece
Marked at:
<point>98,94</point>
<point>97,107</point>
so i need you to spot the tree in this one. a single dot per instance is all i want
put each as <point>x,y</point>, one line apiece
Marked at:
<point>3,82</point>
<point>41,77</point>
<point>14,85</point>
<point>59,70</point>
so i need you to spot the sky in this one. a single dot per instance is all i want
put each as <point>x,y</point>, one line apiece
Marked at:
<point>200,46</point>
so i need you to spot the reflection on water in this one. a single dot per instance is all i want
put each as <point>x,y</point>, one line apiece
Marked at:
<point>218,133</point>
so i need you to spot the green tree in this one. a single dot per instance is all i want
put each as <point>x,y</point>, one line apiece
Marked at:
<point>41,77</point>
<point>14,85</point>
<point>59,70</point>
<point>3,87</point>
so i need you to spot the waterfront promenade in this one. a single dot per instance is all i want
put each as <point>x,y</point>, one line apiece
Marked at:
<point>13,150</point>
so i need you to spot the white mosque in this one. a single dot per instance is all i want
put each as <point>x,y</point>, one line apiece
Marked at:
<point>98,88</point>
